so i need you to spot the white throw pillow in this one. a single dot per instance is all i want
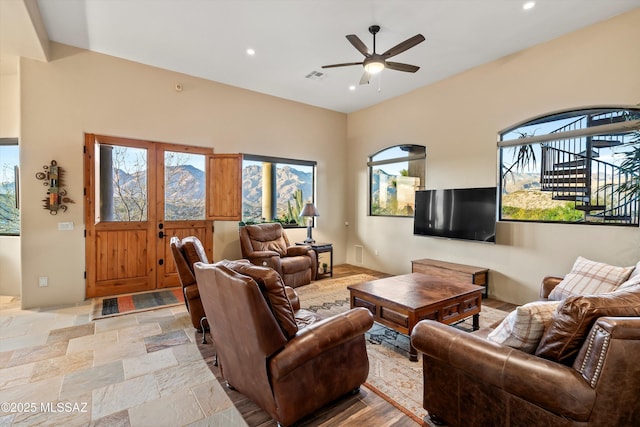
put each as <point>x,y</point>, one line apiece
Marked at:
<point>633,280</point>
<point>590,278</point>
<point>523,327</point>
<point>636,271</point>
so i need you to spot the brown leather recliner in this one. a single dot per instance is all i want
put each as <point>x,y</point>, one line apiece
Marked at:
<point>267,245</point>
<point>286,360</point>
<point>471,381</point>
<point>187,252</point>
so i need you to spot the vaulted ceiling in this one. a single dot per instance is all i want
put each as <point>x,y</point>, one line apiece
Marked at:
<point>292,39</point>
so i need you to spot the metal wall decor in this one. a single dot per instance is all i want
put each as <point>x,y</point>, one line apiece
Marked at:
<point>56,196</point>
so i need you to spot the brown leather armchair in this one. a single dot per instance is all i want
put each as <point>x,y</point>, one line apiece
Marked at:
<point>185,253</point>
<point>286,360</point>
<point>267,245</point>
<point>471,381</point>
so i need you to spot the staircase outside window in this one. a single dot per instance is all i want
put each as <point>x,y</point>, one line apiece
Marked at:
<point>578,167</point>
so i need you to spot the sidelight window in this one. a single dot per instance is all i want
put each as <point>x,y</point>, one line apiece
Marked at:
<point>9,187</point>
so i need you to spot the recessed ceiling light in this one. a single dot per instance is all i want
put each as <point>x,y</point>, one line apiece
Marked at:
<point>352,87</point>
<point>251,52</point>
<point>529,5</point>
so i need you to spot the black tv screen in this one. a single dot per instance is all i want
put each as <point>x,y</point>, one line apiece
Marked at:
<point>465,213</point>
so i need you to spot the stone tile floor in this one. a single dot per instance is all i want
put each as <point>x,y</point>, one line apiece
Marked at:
<point>145,369</point>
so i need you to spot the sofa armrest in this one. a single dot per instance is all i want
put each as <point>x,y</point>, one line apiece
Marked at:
<point>548,283</point>
<point>298,250</point>
<point>293,298</point>
<point>552,386</point>
<point>319,338</point>
<point>593,354</point>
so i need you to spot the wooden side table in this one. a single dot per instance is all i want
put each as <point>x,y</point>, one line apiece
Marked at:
<point>319,248</point>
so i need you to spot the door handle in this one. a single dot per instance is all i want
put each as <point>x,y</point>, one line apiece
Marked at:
<point>160,235</point>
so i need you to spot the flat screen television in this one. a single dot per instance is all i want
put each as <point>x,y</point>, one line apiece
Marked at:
<point>464,213</point>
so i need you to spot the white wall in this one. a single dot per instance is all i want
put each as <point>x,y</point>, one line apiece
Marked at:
<point>9,128</point>
<point>458,120</point>
<point>81,91</point>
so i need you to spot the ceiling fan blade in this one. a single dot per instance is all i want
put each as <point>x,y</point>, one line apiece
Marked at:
<point>402,67</point>
<point>364,80</point>
<point>357,43</point>
<point>346,64</point>
<point>401,47</point>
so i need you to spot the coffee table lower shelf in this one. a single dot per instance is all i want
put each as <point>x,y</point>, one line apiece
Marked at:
<point>400,302</point>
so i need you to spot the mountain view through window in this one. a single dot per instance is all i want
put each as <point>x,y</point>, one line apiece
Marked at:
<point>276,190</point>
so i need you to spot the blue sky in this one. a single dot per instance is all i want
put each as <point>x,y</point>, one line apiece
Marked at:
<point>8,159</point>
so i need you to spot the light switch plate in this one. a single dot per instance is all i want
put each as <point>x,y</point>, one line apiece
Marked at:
<point>65,226</point>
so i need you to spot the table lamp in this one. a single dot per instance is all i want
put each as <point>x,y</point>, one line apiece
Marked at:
<point>309,211</point>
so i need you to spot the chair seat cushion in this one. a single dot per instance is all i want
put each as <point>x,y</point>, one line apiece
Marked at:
<point>273,289</point>
<point>291,265</point>
<point>305,318</point>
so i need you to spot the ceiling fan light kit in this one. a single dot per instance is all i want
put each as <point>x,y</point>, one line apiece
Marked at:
<point>374,66</point>
<point>375,62</point>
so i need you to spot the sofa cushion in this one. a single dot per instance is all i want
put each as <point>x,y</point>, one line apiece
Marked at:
<point>575,317</point>
<point>273,289</point>
<point>524,326</point>
<point>590,278</point>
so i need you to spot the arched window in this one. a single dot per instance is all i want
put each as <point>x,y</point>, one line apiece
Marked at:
<point>579,166</point>
<point>395,174</point>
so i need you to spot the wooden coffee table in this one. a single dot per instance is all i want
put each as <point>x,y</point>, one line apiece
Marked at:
<point>400,302</point>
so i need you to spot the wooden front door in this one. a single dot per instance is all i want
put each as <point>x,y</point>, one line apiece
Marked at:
<point>138,195</point>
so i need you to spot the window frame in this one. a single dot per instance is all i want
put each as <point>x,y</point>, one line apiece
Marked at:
<point>280,161</point>
<point>16,171</point>
<point>394,160</point>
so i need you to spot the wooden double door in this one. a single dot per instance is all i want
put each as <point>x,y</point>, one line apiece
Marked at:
<point>138,194</point>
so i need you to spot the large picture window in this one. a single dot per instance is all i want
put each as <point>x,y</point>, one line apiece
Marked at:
<point>578,166</point>
<point>395,174</point>
<point>276,189</point>
<point>9,191</point>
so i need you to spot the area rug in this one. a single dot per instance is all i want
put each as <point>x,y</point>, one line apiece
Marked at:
<point>136,302</point>
<point>391,374</point>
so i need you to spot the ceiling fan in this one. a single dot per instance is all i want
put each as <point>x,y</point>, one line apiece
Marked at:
<point>375,62</point>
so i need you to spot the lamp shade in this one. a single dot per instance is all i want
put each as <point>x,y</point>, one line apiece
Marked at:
<point>309,210</point>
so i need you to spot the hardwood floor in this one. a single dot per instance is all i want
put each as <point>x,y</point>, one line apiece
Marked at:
<point>363,408</point>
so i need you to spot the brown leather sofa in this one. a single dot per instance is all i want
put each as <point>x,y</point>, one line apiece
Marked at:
<point>187,252</point>
<point>471,381</point>
<point>286,360</point>
<point>267,245</point>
